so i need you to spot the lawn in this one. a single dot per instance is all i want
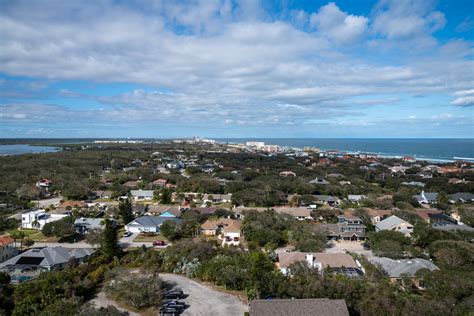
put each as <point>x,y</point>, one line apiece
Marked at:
<point>142,238</point>
<point>35,235</point>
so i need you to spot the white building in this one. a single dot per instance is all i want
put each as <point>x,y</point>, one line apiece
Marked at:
<point>146,195</point>
<point>255,144</point>
<point>37,219</point>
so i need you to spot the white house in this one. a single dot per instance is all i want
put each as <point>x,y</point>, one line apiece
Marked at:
<point>146,195</point>
<point>37,219</point>
<point>148,224</point>
<point>217,198</point>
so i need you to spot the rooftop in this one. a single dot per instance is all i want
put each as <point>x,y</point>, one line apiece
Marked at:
<point>300,307</point>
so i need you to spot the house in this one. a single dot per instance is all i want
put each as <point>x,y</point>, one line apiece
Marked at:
<point>171,212</point>
<point>425,175</point>
<point>399,269</point>
<point>7,248</point>
<point>426,197</point>
<point>350,227</point>
<point>396,224</point>
<point>398,169</point>
<point>339,263</point>
<point>457,181</point>
<point>408,159</point>
<point>425,214</point>
<point>159,209</point>
<point>355,198</point>
<point>342,182</point>
<point>103,194</point>
<point>84,225</point>
<point>29,264</point>
<point>300,307</point>
<point>231,234</point>
<point>461,197</point>
<point>160,182</point>
<point>287,174</point>
<point>175,165</point>
<point>38,218</point>
<point>454,227</point>
<point>327,199</point>
<point>205,210</point>
<point>217,198</point>
<point>377,215</point>
<point>44,184</point>
<point>414,184</point>
<point>319,181</point>
<point>146,195</point>
<point>335,175</point>
<point>213,227</point>
<point>300,213</point>
<point>131,184</point>
<point>439,219</point>
<point>148,224</point>
<point>240,211</point>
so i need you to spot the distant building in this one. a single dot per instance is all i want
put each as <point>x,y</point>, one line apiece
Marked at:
<point>31,263</point>
<point>300,307</point>
<point>44,184</point>
<point>461,197</point>
<point>146,195</point>
<point>396,224</point>
<point>7,248</point>
<point>426,197</point>
<point>348,228</point>
<point>217,198</point>
<point>398,269</point>
<point>287,174</point>
<point>84,225</point>
<point>319,181</point>
<point>38,218</point>
<point>255,144</point>
<point>148,224</point>
<point>339,263</point>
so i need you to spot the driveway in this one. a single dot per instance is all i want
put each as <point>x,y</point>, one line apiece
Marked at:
<point>204,300</point>
<point>355,247</point>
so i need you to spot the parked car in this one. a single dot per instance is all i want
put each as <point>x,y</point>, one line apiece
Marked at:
<point>159,243</point>
<point>175,304</point>
<point>174,294</point>
<point>169,311</point>
<point>127,234</point>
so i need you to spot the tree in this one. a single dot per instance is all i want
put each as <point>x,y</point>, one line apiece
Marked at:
<point>94,236</point>
<point>110,247</point>
<point>126,211</point>
<point>60,228</point>
<point>17,234</point>
<point>165,197</point>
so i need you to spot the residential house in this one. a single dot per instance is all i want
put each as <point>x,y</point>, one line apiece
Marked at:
<point>461,197</point>
<point>159,209</point>
<point>355,198</point>
<point>319,181</point>
<point>454,227</point>
<point>29,264</point>
<point>83,225</point>
<point>396,224</point>
<point>160,182</point>
<point>300,307</point>
<point>287,174</point>
<point>217,198</point>
<point>148,224</point>
<point>426,197</point>
<point>425,175</point>
<point>377,215</point>
<point>408,159</point>
<point>231,234</point>
<point>339,263</point>
<point>399,269</point>
<point>205,210</point>
<point>414,184</point>
<point>7,248</point>
<point>44,184</point>
<point>102,194</point>
<point>240,211</point>
<point>399,169</point>
<point>335,175</point>
<point>439,219</point>
<point>300,213</point>
<point>457,181</point>
<point>327,199</point>
<point>171,212</point>
<point>130,184</point>
<point>348,228</point>
<point>425,213</point>
<point>175,165</point>
<point>142,195</point>
<point>38,218</point>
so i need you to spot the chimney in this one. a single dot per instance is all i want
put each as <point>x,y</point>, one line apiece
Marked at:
<point>309,259</point>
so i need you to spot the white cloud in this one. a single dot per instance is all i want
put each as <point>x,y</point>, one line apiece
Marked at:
<point>407,19</point>
<point>464,98</point>
<point>339,26</point>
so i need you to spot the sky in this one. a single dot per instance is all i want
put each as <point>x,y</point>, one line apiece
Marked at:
<point>237,68</point>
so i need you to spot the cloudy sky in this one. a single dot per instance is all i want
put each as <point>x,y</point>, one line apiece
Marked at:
<point>237,68</point>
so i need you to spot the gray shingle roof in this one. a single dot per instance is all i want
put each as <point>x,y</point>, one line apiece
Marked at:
<point>397,268</point>
<point>389,223</point>
<point>300,307</point>
<point>462,196</point>
<point>52,256</point>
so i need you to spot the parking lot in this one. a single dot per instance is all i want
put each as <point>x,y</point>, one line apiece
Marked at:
<point>204,300</point>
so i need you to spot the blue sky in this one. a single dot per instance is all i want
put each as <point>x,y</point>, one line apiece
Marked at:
<point>228,68</point>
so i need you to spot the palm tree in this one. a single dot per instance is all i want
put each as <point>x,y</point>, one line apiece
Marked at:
<point>35,224</point>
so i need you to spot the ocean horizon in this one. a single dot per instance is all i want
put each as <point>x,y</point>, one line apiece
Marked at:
<point>432,149</point>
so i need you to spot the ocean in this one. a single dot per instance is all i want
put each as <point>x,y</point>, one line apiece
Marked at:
<point>436,150</point>
<point>19,149</point>
<point>422,149</point>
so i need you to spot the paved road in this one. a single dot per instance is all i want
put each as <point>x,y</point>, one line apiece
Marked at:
<point>204,300</point>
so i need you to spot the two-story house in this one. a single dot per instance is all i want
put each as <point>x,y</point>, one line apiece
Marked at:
<point>7,248</point>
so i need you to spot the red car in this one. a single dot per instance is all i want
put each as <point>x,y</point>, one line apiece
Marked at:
<point>159,243</point>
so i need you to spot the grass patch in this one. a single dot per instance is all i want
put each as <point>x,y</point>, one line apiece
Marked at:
<point>141,238</point>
